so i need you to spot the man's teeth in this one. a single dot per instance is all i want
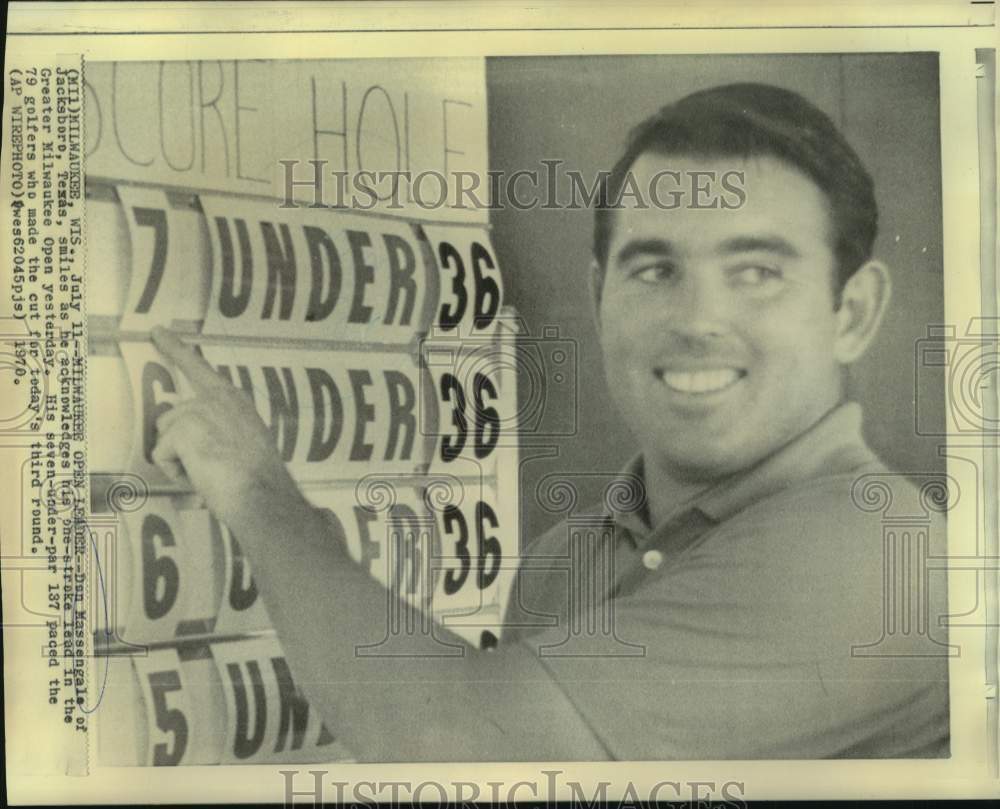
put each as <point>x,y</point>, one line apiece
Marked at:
<point>700,381</point>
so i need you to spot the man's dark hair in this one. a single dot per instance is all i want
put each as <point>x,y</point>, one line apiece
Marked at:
<point>744,120</point>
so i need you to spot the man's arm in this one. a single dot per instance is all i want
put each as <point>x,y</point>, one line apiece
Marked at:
<point>499,705</point>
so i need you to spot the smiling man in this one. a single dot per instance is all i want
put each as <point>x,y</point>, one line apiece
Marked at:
<point>747,584</point>
<point>726,330</point>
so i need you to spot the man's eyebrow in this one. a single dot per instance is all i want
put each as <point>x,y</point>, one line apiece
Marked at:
<point>642,247</point>
<point>759,244</point>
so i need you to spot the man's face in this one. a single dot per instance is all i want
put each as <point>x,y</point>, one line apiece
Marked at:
<point>718,325</point>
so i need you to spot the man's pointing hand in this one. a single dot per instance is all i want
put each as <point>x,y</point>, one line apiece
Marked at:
<point>216,441</point>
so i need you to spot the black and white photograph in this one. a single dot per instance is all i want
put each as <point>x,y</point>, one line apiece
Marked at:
<point>554,408</point>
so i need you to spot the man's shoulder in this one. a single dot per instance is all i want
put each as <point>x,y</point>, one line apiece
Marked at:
<point>868,495</point>
<point>827,544</point>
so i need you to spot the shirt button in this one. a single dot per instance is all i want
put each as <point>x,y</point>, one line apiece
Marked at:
<point>652,559</point>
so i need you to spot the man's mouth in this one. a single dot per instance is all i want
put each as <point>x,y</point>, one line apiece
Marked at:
<point>700,382</point>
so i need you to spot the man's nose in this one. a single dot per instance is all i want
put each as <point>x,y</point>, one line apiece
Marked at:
<point>701,307</point>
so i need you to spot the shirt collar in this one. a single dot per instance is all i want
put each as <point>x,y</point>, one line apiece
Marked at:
<point>834,444</point>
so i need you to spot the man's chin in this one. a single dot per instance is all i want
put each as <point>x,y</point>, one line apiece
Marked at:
<point>708,461</point>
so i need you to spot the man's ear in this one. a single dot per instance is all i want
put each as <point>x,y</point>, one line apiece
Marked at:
<point>863,301</point>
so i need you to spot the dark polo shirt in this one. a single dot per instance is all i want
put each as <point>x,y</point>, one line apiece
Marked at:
<point>785,613</point>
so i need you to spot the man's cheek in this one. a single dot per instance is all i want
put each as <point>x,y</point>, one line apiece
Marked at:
<point>783,333</point>
<point>622,346</point>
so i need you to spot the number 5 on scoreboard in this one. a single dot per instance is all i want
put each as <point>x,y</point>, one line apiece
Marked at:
<point>183,716</point>
<point>169,721</point>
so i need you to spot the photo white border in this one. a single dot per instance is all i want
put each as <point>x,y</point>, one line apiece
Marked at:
<point>968,772</point>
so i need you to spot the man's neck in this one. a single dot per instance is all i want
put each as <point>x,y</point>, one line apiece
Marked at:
<point>667,490</point>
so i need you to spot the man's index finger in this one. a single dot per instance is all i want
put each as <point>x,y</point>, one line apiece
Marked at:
<point>199,373</point>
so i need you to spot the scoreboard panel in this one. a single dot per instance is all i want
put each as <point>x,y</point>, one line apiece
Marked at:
<point>371,340</point>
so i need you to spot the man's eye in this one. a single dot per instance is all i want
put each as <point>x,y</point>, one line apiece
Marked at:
<point>653,274</point>
<point>755,275</point>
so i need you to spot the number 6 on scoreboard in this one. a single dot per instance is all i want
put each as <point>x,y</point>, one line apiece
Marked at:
<point>160,576</point>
